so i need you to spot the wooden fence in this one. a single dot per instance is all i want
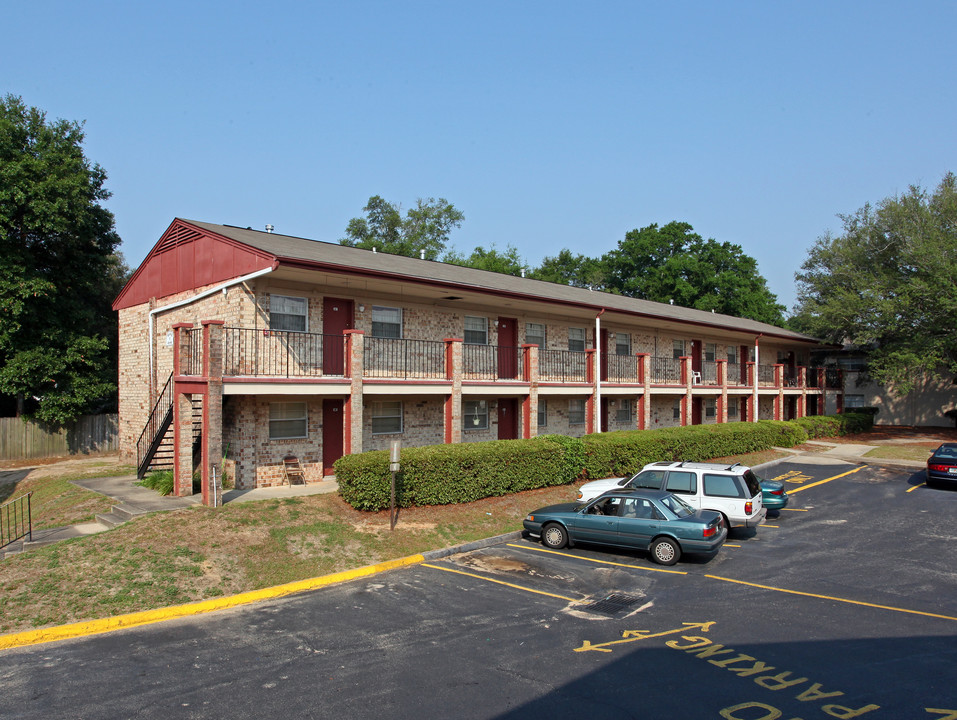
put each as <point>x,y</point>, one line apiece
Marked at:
<point>24,439</point>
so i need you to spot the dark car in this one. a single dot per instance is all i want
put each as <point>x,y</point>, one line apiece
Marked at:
<point>653,520</point>
<point>942,465</point>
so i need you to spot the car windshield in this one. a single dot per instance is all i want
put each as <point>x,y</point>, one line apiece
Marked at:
<point>753,482</point>
<point>678,506</point>
<point>648,479</point>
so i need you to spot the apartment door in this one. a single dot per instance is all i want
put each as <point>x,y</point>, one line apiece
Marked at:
<point>336,319</point>
<point>332,437</point>
<point>745,350</point>
<point>744,410</point>
<point>696,356</point>
<point>603,355</point>
<point>696,403</point>
<point>507,418</point>
<point>507,348</point>
<point>604,413</point>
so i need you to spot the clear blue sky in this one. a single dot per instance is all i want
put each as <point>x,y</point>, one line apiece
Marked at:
<point>549,124</point>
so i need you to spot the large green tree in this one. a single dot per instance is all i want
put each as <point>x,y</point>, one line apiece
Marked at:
<point>507,261</point>
<point>888,285</point>
<point>567,268</point>
<point>59,269</point>
<point>425,227</point>
<point>674,263</point>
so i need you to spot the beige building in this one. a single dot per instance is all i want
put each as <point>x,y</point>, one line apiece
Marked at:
<point>242,349</point>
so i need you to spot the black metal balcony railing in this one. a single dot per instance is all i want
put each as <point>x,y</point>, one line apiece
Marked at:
<point>813,380</point>
<point>709,372</point>
<point>192,364</point>
<point>405,359</point>
<point>665,370</point>
<point>833,378</point>
<point>766,375</point>
<point>623,369</point>
<point>790,378</point>
<point>248,352</point>
<point>491,362</point>
<point>733,372</point>
<point>562,366</point>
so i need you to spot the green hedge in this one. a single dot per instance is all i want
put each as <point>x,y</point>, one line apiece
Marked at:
<point>444,474</point>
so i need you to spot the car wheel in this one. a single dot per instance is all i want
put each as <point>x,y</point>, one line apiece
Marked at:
<point>554,536</point>
<point>665,551</point>
<point>727,523</point>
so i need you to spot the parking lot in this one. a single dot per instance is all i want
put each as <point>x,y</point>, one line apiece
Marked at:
<point>843,605</point>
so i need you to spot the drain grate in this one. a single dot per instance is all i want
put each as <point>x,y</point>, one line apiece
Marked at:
<point>614,604</point>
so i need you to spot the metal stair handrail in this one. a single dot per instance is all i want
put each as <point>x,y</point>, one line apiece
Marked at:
<point>156,426</point>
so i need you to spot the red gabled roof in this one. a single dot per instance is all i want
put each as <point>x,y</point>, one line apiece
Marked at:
<point>188,257</point>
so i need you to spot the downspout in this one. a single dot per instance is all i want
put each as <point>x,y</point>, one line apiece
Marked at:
<point>757,380</point>
<point>598,352</point>
<point>187,301</point>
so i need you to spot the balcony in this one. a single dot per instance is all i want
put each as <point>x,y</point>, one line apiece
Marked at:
<point>249,352</point>
<point>665,371</point>
<point>562,366</point>
<point>403,359</point>
<point>492,362</point>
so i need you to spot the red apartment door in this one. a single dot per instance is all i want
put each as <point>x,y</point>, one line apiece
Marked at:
<point>696,411</point>
<point>696,356</point>
<point>744,364</point>
<point>507,348</point>
<point>604,414</point>
<point>744,410</point>
<point>507,418</point>
<point>336,319</point>
<point>603,356</point>
<point>332,422</point>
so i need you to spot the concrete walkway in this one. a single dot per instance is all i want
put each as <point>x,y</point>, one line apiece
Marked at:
<point>132,500</point>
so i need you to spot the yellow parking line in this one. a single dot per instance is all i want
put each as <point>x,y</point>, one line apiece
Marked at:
<point>499,582</point>
<point>771,526</point>
<point>600,562</point>
<point>794,509</point>
<point>915,487</point>
<point>827,480</point>
<point>730,545</point>
<point>835,599</point>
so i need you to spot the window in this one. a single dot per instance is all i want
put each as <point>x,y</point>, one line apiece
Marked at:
<point>721,486</point>
<point>732,354</point>
<point>854,401</point>
<point>624,411</point>
<point>386,322</point>
<point>710,407</point>
<point>287,420</point>
<point>386,417</point>
<point>622,344</point>
<point>710,352</point>
<point>576,339</point>
<point>732,408</point>
<point>542,412</point>
<point>476,330</point>
<point>676,410</point>
<point>475,414</point>
<point>287,313</point>
<point>679,349</point>
<point>535,334</point>
<point>680,481</point>
<point>576,411</point>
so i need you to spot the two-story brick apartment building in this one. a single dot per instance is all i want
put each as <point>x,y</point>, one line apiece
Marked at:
<point>256,346</point>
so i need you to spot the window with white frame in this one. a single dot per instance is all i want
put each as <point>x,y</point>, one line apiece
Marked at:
<point>535,334</point>
<point>623,414</point>
<point>710,352</point>
<point>676,410</point>
<point>542,412</point>
<point>679,349</point>
<point>386,417</point>
<point>732,354</point>
<point>576,340</point>
<point>854,401</point>
<point>576,411</point>
<point>622,343</point>
<point>476,330</point>
<point>710,407</point>
<point>287,420</point>
<point>475,414</point>
<point>288,313</point>
<point>386,322</point>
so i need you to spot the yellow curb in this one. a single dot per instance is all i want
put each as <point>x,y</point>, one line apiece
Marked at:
<point>146,617</point>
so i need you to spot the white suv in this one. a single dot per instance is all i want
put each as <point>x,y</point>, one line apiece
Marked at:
<point>732,490</point>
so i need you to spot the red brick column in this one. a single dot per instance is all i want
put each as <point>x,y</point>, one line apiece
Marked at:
<point>212,440</point>
<point>722,409</point>
<point>352,407</point>
<point>453,401</point>
<point>644,400</point>
<point>530,401</point>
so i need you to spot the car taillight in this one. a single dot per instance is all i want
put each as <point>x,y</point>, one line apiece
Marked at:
<point>748,507</point>
<point>778,492</point>
<point>710,530</point>
<point>939,468</point>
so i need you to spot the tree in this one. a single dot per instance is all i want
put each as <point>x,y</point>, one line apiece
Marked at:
<point>508,262</point>
<point>568,269</point>
<point>425,227</point>
<point>59,269</point>
<point>673,263</point>
<point>888,284</point>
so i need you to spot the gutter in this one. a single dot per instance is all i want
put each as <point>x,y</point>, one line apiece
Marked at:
<point>206,293</point>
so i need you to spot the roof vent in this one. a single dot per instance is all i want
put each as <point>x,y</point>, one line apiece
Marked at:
<point>373,250</point>
<point>269,228</point>
<point>421,254</point>
<point>523,272</point>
